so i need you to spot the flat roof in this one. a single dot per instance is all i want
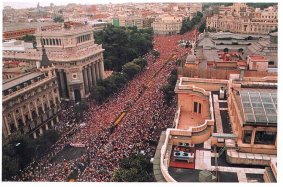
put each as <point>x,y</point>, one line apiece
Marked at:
<point>18,80</point>
<point>259,107</point>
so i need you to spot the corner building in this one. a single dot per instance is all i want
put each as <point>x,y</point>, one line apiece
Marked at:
<point>77,59</point>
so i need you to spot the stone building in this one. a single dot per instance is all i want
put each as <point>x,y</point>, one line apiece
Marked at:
<point>167,25</point>
<point>240,18</point>
<point>31,101</point>
<point>77,59</point>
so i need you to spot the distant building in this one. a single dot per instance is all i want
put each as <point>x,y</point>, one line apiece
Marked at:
<point>19,30</point>
<point>257,63</point>
<point>167,25</point>
<point>240,18</point>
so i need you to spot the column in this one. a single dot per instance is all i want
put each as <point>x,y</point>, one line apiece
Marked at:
<point>85,81</point>
<point>101,69</point>
<point>97,70</point>
<point>40,130</point>
<point>34,135</point>
<point>23,117</point>
<point>52,123</point>
<point>46,126</point>
<point>54,100</point>
<point>63,85</point>
<point>7,125</point>
<point>93,74</point>
<point>89,77</point>
<point>29,111</point>
<point>36,108</point>
<point>42,105</point>
<point>253,136</point>
<point>15,120</point>
<point>48,101</point>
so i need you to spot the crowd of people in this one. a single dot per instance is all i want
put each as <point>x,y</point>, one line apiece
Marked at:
<point>147,116</point>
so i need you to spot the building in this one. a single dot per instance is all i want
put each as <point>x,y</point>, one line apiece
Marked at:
<point>19,30</point>
<point>31,101</point>
<point>238,115</point>
<point>167,25</point>
<point>240,18</point>
<point>257,63</point>
<point>267,48</point>
<point>78,61</point>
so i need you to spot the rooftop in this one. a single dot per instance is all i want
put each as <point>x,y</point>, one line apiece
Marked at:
<point>259,106</point>
<point>20,79</point>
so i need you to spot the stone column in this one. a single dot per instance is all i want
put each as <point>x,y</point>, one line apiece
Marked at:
<point>101,68</point>
<point>36,107</point>
<point>97,70</point>
<point>23,117</point>
<point>15,120</point>
<point>29,111</point>
<point>46,126</point>
<point>48,100</point>
<point>40,130</point>
<point>253,136</point>
<point>93,74</point>
<point>89,77</point>
<point>63,84</point>
<point>85,81</point>
<point>43,108</point>
<point>54,100</point>
<point>34,135</point>
<point>7,125</point>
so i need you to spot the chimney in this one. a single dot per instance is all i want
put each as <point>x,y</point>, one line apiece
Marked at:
<point>242,71</point>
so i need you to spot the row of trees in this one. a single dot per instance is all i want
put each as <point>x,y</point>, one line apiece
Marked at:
<point>117,80</point>
<point>168,89</point>
<point>123,45</point>
<point>188,25</point>
<point>21,149</point>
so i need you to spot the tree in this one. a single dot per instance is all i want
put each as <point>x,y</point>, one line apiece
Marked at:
<point>140,62</point>
<point>225,50</point>
<point>58,18</point>
<point>99,94</point>
<point>135,168</point>
<point>131,69</point>
<point>29,38</point>
<point>123,45</point>
<point>202,27</point>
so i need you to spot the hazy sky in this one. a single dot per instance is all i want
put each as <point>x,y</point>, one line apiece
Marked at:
<point>33,3</point>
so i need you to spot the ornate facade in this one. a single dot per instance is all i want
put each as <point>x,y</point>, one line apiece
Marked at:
<point>167,25</point>
<point>31,102</point>
<point>240,18</point>
<point>78,61</point>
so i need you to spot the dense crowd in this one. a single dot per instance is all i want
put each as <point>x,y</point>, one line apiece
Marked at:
<point>139,131</point>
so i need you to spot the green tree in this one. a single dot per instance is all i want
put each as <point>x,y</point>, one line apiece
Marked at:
<point>202,27</point>
<point>131,69</point>
<point>99,94</point>
<point>140,62</point>
<point>29,38</point>
<point>58,18</point>
<point>135,168</point>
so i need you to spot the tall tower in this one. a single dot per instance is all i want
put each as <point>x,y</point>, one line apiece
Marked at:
<point>46,66</point>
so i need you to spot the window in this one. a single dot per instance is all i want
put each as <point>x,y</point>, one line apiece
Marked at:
<point>247,136</point>
<point>270,63</point>
<point>264,137</point>
<point>197,107</point>
<point>74,75</point>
